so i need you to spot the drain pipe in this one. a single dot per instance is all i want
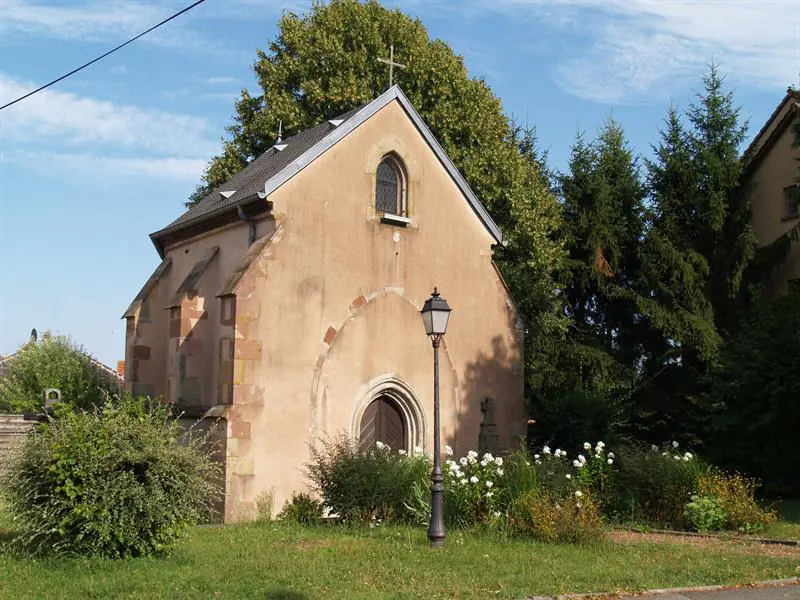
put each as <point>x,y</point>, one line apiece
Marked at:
<point>251,236</point>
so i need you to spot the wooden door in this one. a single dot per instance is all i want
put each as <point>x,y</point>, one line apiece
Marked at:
<point>383,422</point>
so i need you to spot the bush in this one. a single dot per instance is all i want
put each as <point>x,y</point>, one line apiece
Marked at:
<point>362,485</point>
<point>473,488</point>
<point>652,485</point>
<point>303,509</point>
<point>571,518</point>
<point>53,363</point>
<point>735,494</point>
<point>705,513</point>
<point>114,482</point>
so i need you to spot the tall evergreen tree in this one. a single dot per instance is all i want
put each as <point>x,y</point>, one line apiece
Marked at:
<point>597,361</point>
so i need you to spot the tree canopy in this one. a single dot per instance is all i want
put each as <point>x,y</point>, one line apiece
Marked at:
<point>324,63</point>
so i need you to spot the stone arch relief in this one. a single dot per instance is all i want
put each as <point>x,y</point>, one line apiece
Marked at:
<point>407,401</point>
<point>398,390</point>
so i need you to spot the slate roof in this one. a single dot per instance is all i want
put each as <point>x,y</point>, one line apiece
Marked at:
<point>250,180</point>
<point>273,168</point>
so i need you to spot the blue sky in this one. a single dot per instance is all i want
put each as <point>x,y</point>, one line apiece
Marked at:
<point>91,166</point>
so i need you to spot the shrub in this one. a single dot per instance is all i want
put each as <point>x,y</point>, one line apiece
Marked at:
<point>361,485</point>
<point>59,363</point>
<point>303,509</point>
<point>705,513</point>
<point>652,485</point>
<point>265,502</point>
<point>735,494</point>
<point>114,482</point>
<point>570,518</point>
<point>473,488</point>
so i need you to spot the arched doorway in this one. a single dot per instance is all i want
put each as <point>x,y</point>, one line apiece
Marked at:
<point>383,421</point>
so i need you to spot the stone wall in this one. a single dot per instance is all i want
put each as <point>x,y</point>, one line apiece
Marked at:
<point>12,430</point>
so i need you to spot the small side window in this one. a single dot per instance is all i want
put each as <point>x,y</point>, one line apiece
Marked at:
<point>792,198</point>
<point>390,187</point>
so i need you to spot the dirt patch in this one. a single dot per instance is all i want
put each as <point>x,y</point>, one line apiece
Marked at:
<point>734,546</point>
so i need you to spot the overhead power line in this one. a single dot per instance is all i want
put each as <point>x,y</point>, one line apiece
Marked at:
<point>91,62</point>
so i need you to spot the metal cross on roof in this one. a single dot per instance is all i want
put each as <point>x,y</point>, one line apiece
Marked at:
<point>392,64</point>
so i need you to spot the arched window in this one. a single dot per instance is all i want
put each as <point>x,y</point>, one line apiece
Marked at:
<point>390,187</point>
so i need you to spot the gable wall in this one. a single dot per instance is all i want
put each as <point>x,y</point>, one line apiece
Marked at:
<point>338,298</point>
<point>777,169</point>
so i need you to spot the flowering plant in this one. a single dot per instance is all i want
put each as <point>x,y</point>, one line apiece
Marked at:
<point>473,486</point>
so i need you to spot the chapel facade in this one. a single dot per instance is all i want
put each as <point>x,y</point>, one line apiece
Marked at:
<point>286,305</point>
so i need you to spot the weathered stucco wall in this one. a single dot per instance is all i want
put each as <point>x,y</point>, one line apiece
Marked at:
<point>777,170</point>
<point>338,294</point>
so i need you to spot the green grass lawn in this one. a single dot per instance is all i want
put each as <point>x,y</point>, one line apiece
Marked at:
<point>285,561</point>
<point>788,525</point>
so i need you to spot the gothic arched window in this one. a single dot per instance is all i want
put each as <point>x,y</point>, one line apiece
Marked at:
<point>390,187</point>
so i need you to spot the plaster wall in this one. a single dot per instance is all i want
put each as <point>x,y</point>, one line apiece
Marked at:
<point>333,305</point>
<point>777,170</point>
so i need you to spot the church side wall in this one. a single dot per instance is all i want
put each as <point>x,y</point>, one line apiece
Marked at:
<point>335,308</point>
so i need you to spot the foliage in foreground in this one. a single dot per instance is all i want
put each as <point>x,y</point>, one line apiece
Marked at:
<point>754,388</point>
<point>57,362</point>
<point>365,484</point>
<point>571,518</point>
<point>122,480</point>
<point>303,509</point>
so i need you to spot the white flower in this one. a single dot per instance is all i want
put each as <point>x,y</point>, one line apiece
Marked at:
<point>654,448</point>
<point>578,494</point>
<point>568,476</point>
<point>536,457</point>
<point>610,461</point>
<point>472,454</point>
<point>665,453</point>
<point>463,481</point>
<point>417,449</point>
<point>611,455</point>
<point>688,456</point>
<point>488,457</point>
<point>676,457</point>
<point>581,458</point>
<point>500,472</point>
<point>380,445</point>
<point>489,484</point>
<point>577,505</point>
<point>675,444</point>
<point>463,461</point>
<point>402,452</point>
<point>448,451</point>
<point>454,467</point>
<point>473,479</point>
<point>685,459</point>
<point>472,460</point>
<point>546,450</point>
<point>587,446</point>
<point>577,464</point>
<point>601,444</point>
<point>497,514</point>
<point>538,462</point>
<point>483,463</point>
<point>489,494</point>
<point>498,461</point>
<point>461,475</point>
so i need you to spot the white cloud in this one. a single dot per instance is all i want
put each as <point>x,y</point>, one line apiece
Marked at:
<point>107,20</point>
<point>180,169</point>
<point>641,49</point>
<point>68,119</point>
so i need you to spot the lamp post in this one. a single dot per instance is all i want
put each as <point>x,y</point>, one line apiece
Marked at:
<point>435,314</point>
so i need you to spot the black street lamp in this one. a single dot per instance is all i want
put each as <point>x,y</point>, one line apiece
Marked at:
<point>435,314</point>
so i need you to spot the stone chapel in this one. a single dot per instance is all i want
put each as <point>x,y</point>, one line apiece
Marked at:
<point>286,305</point>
